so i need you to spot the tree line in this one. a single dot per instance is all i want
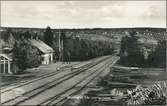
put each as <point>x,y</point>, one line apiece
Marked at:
<point>77,49</point>
<point>84,49</point>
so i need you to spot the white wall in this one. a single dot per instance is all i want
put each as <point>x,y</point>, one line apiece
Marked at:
<point>47,58</point>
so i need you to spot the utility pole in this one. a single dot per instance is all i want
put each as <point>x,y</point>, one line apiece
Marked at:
<point>60,47</point>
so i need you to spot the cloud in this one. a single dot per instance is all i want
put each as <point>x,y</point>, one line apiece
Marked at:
<point>71,14</point>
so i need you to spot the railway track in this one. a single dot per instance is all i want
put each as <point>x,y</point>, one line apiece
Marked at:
<point>65,68</point>
<point>58,100</point>
<point>3,86</point>
<point>10,100</point>
<point>63,87</point>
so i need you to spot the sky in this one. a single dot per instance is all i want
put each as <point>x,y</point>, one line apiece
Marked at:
<point>83,14</point>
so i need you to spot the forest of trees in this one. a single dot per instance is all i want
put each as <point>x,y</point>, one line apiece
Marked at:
<point>78,49</point>
<point>83,49</point>
<point>131,54</point>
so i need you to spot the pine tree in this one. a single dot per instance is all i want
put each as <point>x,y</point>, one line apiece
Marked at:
<point>130,52</point>
<point>48,36</point>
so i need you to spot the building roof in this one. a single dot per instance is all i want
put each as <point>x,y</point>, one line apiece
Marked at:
<point>43,47</point>
<point>8,57</point>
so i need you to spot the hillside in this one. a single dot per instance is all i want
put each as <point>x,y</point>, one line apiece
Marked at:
<point>98,33</point>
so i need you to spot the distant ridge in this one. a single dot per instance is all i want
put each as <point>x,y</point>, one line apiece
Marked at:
<point>86,28</point>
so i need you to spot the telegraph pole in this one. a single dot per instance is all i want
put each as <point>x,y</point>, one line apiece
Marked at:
<point>60,46</point>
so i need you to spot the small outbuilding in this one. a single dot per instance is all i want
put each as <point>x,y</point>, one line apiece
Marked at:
<point>46,52</point>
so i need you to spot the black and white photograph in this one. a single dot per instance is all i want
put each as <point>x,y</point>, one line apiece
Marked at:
<point>83,53</point>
